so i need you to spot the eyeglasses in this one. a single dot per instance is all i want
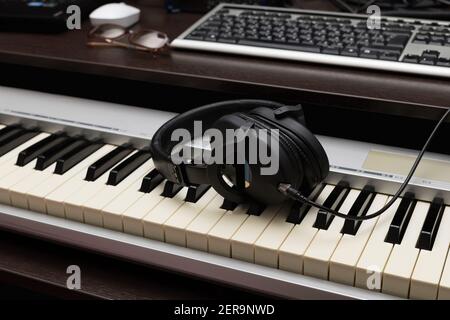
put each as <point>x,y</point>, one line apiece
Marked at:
<point>113,35</point>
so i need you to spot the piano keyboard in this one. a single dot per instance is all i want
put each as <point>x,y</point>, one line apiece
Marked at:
<point>95,188</point>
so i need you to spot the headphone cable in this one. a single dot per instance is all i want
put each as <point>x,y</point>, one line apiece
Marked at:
<point>294,194</point>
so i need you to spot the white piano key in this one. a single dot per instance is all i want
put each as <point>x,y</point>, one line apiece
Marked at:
<point>399,268</point>
<point>316,260</point>
<point>154,220</point>
<point>85,190</point>
<point>18,192</point>
<point>132,217</point>
<point>347,253</point>
<point>112,213</point>
<point>8,160</point>
<point>294,246</point>
<point>10,157</point>
<point>15,175</point>
<point>37,196</point>
<point>267,245</point>
<point>444,284</point>
<point>92,208</point>
<point>376,252</point>
<point>197,231</point>
<point>430,264</point>
<point>175,226</point>
<point>219,237</point>
<point>243,241</point>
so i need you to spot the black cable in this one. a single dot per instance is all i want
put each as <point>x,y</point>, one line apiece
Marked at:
<point>287,190</point>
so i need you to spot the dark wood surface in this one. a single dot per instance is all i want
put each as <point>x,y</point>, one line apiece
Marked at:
<point>226,73</point>
<point>38,269</point>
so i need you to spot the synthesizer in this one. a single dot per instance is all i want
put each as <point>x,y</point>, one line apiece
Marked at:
<point>83,176</point>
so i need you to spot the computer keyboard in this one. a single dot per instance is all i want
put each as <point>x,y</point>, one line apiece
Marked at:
<point>399,44</point>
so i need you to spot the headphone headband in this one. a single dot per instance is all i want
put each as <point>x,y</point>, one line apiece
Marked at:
<point>162,145</point>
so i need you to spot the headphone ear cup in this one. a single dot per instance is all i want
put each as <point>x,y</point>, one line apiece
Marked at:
<point>255,180</point>
<point>308,148</point>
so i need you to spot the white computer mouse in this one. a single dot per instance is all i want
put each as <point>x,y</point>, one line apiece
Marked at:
<point>115,13</point>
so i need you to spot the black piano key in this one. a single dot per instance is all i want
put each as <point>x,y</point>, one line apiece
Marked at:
<point>171,189</point>
<point>196,192</point>
<point>17,140</point>
<point>334,201</point>
<point>401,219</point>
<point>7,132</point>
<point>51,155</point>
<point>228,205</point>
<point>431,225</point>
<point>32,152</point>
<point>126,167</point>
<point>106,162</point>
<point>151,181</point>
<point>299,209</point>
<point>359,209</point>
<point>255,209</point>
<point>69,160</point>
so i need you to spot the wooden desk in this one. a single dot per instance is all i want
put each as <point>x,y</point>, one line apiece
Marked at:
<point>226,73</point>
<point>38,268</point>
<point>62,63</point>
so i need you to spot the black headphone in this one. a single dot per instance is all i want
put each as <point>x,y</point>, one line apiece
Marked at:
<point>303,163</point>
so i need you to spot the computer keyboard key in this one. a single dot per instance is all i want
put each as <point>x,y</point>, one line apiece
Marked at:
<point>69,160</point>
<point>331,50</point>
<point>427,61</point>
<point>389,56</point>
<point>195,37</point>
<point>227,40</point>
<point>350,52</point>
<point>442,62</point>
<point>411,58</point>
<point>398,41</point>
<point>421,39</point>
<point>126,167</point>
<point>434,54</point>
<point>300,47</point>
<point>436,42</point>
<point>102,165</point>
<point>32,152</point>
<point>431,225</point>
<point>370,54</point>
